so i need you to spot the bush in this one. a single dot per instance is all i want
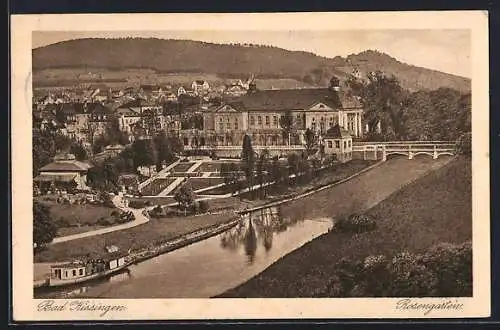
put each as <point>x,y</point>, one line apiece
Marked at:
<point>104,221</point>
<point>157,212</point>
<point>203,206</point>
<point>115,213</point>
<point>137,204</point>
<point>452,265</point>
<point>444,270</point>
<point>355,223</point>
<point>410,278</point>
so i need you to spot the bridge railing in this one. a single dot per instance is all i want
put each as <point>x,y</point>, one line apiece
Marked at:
<point>362,143</point>
<point>259,147</point>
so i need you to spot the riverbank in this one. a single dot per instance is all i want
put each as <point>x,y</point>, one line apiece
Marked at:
<point>434,208</point>
<point>147,235</point>
<point>157,231</point>
<point>42,270</point>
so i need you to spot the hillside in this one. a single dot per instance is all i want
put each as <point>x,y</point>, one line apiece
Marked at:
<point>434,209</point>
<point>229,61</point>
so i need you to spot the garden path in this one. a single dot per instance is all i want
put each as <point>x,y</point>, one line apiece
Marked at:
<point>140,218</point>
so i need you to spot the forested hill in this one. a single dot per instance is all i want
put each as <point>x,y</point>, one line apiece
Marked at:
<point>233,61</point>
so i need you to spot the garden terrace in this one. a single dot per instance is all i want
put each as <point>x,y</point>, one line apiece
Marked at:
<point>182,167</point>
<point>212,166</point>
<point>200,183</point>
<point>156,186</point>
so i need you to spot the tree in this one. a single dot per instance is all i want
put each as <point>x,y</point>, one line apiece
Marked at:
<point>305,168</point>
<point>144,153</point>
<point>442,114</point>
<point>275,170</point>
<point>294,164</point>
<point>44,228</point>
<point>99,144</point>
<point>248,159</point>
<point>230,175</point>
<point>114,135</point>
<point>262,166</point>
<point>44,150</point>
<point>176,145</point>
<point>163,149</point>
<point>184,196</point>
<point>382,98</point>
<point>311,140</point>
<point>79,151</point>
<point>286,123</point>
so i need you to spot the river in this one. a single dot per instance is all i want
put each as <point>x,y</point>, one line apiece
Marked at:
<point>217,264</point>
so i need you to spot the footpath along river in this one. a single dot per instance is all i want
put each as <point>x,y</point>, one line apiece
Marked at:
<point>217,264</point>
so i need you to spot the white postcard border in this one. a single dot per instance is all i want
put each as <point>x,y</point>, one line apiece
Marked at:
<point>26,308</point>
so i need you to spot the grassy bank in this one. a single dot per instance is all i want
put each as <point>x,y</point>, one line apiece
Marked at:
<point>74,219</point>
<point>434,209</point>
<point>154,232</point>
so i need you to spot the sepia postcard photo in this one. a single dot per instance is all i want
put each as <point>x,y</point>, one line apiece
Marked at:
<point>250,166</point>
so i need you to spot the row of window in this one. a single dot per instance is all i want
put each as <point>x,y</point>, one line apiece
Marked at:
<point>322,125</point>
<point>228,126</point>
<point>323,119</point>
<point>347,144</point>
<point>267,120</point>
<point>80,272</point>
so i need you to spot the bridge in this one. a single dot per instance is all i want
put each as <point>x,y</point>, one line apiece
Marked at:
<point>380,150</point>
<point>360,150</point>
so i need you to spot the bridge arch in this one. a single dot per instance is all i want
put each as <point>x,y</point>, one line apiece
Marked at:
<point>409,149</point>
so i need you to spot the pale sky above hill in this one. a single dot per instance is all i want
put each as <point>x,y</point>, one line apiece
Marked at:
<point>444,50</point>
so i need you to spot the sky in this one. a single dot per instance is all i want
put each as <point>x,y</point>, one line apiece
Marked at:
<point>444,50</point>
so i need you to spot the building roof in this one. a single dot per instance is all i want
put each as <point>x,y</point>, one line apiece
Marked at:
<point>288,99</point>
<point>57,177</point>
<point>126,112</point>
<point>349,101</point>
<point>98,108</point>
<point>69,265</point>
<point>72,108</point>
<point>336,132</point>
<point>66,166</point>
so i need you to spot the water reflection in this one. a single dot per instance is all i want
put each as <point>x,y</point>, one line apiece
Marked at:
<point>256,228</point>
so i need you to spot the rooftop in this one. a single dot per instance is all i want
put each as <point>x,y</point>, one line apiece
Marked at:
<point>293,99</point>
<point>66,166</point>
<point>336,132</point>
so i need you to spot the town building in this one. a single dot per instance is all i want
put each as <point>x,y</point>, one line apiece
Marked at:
<point>64,173</point>
<point>75,117</point>
<point>100,117</point>
<point>263,115</point>
<point>338,142</point>
<point>127,118</point>
<point>200,87</point>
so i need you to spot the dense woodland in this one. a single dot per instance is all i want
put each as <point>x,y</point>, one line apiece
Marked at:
<point>442,114</point>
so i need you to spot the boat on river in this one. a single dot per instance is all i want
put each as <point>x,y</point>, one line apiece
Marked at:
<point>80,271</point>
